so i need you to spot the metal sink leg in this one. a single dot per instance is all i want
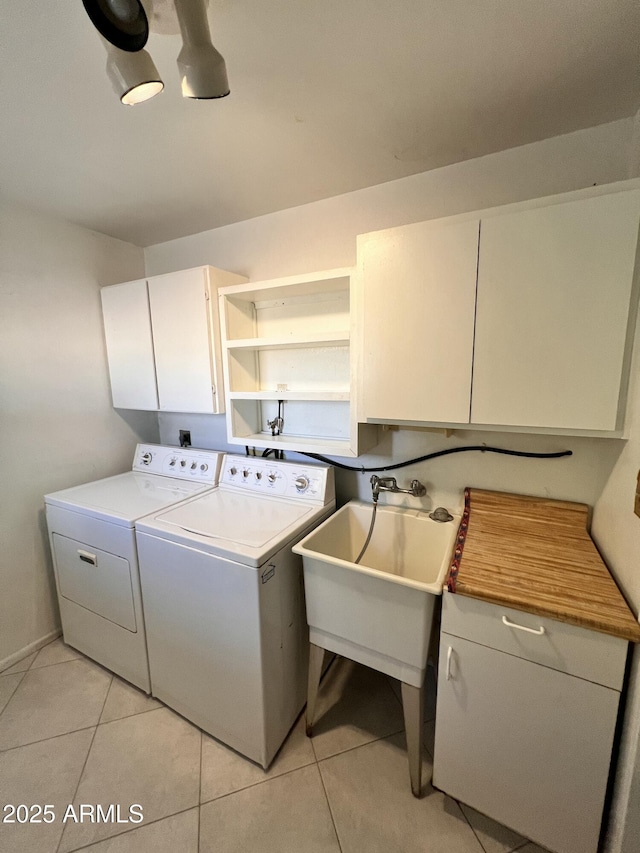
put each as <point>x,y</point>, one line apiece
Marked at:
<point>413,709</point>
<point>316,660</point>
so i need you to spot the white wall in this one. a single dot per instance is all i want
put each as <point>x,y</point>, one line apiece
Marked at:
<point>57,426</point>
<point>616,530</point>
<point>322,235</point>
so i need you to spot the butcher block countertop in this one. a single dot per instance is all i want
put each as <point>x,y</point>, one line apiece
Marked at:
<point>535,554</point>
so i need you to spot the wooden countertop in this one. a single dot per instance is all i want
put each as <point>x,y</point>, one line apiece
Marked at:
<point>535,554</point>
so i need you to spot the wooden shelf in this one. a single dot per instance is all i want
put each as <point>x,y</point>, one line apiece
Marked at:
<point>313,339</point>
<point>330,281</point>
<point>300,443</point>
<point>311,396</point>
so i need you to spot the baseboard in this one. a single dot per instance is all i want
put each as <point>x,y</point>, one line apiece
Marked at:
<point>16,657</point>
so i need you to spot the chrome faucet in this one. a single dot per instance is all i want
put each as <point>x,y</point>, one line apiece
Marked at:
<point>389,484</point>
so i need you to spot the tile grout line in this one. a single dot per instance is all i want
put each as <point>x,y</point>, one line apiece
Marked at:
<point>86,757</point>
<point>130,830</point>
<point>136,714</point>
<point>13,693</point>
<point>44,739</point>
<point>83,728</point>
<point>33,668</point>
<point>359,745</point>
<point>471,827</point>
<point>260,782</point>
<point>326,796</point>
<point>200,789</point>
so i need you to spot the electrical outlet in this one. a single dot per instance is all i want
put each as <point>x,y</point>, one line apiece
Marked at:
<point>185,438</point>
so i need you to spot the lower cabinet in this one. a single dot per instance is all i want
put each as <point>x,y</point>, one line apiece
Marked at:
<point>520,736</point>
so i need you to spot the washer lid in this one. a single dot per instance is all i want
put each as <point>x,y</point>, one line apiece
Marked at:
<point>124,498</point>
<point>245,528</point>
<point>244,519</point>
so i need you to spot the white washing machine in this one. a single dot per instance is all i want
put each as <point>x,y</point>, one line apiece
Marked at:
<point>224,601</point>
<point>92,536</point>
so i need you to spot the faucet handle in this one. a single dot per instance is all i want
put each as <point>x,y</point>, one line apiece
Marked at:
<point>417,489</point>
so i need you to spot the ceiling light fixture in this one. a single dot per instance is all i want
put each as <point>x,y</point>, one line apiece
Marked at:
<point>124,29</point>
<point>202,69</point>
<point>133,76</point>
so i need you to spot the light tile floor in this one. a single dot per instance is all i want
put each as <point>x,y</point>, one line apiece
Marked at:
<point>72,733</point>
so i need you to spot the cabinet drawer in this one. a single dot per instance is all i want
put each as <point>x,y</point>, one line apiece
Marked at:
<point>586,654</point>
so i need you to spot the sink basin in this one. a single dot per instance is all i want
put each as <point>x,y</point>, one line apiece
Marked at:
<point>380,612</point>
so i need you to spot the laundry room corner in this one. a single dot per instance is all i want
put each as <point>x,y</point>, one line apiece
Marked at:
<point>58,425</point>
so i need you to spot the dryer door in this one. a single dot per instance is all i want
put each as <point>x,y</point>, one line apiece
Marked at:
<point>95,579</point>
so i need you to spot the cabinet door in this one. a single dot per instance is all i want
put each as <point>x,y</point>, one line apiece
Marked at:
<point>526,745</point>
<point>554,290</point>
<point>127,329</point>
<point>418,285</point>
<point>179,315</point>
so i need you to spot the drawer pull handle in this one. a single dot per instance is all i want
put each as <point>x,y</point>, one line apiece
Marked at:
<point>86,557</point>
<point>539,631</point>
<point>449,655</point>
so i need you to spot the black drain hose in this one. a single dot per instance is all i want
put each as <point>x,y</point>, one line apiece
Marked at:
<point>478,447</point>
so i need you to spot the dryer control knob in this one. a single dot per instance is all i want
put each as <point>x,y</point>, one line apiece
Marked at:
<point>258,475</point>
<point>194,465</point>
<point>245,473</point>
<point>302,483</point>
<point>233,471</point>
<point>183,463</point>
<point>173,462</point>
<point>204,466</point>
<point>146,458</point>
<point>271,477</point>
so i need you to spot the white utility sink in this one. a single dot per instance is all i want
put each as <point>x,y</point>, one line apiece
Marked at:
<point>380,612</point>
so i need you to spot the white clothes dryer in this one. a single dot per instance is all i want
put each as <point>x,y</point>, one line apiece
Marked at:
<point>92,537</point>
<point>224,601</point>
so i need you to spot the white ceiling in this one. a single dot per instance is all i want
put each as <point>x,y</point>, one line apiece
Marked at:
<point>327,96</point>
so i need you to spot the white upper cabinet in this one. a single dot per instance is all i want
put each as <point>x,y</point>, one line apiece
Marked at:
<point>163,341</point>
<point>417,292</point>
<point>127,329</point>
<point>554,297</point>
<point>526,325</point>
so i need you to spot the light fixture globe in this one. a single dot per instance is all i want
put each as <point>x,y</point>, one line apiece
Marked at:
<point>203,73</point>
<point>133,76</point>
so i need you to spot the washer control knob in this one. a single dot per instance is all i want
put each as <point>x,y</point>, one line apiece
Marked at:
<point>194,465</point>
<point>146,458</point>
<point>204,467</point>
<point>245,473</point>
<point>183,463</point>
<point>233,471</point>
<point>271,476</point>
<point>258,475</point>
<point>173,462</point>
<point>302,483</point>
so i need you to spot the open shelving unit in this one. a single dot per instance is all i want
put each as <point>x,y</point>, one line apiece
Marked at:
<point>287,348</point>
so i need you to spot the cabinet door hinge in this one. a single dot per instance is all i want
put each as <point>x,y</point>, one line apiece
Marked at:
<point>206,295</point>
